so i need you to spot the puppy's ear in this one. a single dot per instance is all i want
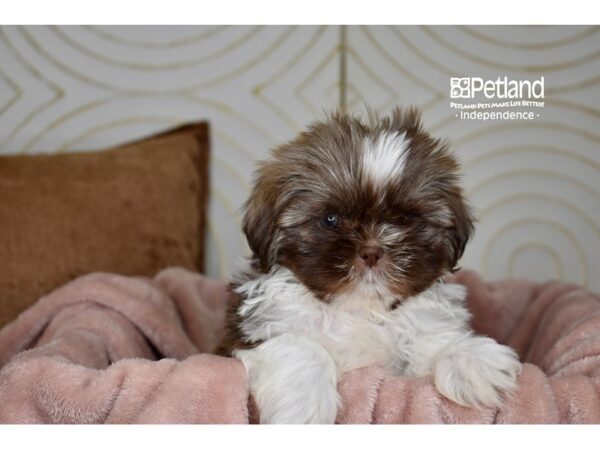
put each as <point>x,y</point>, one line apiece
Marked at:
<point>260,218</point>
<point>462,230</point>
<point>443,171</point>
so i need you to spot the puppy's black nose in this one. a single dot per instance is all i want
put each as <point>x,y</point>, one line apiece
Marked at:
<point>371,254</point>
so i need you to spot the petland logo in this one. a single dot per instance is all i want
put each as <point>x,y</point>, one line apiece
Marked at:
<point>499,99</point>
<point>501,88</point>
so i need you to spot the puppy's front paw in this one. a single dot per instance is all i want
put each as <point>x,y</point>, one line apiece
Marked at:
<point>477,371</point>
<point>293,380</point>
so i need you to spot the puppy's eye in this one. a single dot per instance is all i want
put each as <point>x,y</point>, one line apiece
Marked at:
<point>330,221</point>
<point>406,218</point>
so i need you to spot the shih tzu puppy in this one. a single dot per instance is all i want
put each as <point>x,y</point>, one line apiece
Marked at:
<point>352,226</point>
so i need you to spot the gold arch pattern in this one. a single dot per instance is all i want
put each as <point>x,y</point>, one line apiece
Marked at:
<point>504,201</point>
<point>244,121</point>
<point>586,32</point>
<point>172,43</point>
<point>90,52</point>
<point>455,72</point>
<point>514,150</point>
<point>560,271</point>
<point>567,233</point>
<point>551,174</point>
<point>82,77</point>
<point>531,68</point>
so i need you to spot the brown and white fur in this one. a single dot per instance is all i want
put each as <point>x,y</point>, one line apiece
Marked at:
<point>352,225</point>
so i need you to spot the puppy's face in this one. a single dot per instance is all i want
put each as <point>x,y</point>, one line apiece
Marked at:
<point>349,205</point>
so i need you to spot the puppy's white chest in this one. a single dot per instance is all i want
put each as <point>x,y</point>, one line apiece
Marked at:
<point>353,330</point>
<point>355,341</point>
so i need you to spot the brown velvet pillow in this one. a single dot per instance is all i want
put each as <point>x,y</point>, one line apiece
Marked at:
<point>132,210</point>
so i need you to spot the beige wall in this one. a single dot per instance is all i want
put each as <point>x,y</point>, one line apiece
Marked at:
<point>536,185</point>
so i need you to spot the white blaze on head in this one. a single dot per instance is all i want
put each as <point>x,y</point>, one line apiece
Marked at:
<point>384,156</point>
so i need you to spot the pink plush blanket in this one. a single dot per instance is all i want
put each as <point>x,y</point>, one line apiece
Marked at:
<point>90,352</point>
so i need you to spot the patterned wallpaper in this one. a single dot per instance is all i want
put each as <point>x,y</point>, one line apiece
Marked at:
<point>536,185</point>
